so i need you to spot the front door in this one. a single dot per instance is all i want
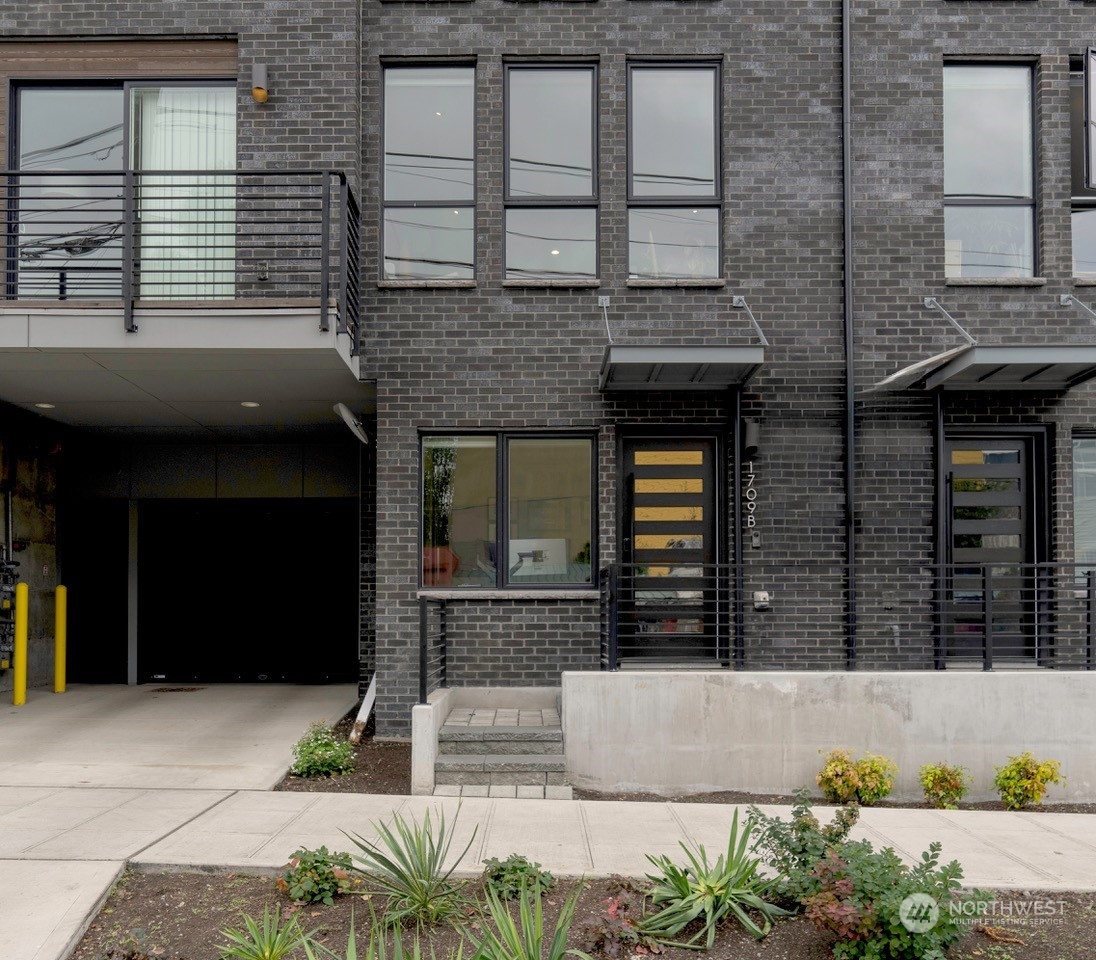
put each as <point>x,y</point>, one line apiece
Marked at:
<point>993,538</point>
<point>670,595</point>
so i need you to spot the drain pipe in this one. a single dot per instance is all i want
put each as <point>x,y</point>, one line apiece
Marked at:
<point>850,372</point>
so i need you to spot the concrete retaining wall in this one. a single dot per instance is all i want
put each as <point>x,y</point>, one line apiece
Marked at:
<point>676,732</point>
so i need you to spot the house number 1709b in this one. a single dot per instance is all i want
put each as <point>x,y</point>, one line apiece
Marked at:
<point>751,497</point>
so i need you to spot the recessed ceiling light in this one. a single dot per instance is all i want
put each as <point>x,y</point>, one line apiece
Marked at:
<point>248,403</point>
<point>555,253</point>
<point>46,406</point>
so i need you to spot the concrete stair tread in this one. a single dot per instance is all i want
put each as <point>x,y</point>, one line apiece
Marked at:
<point>503,762</point>
<point>455,732</point>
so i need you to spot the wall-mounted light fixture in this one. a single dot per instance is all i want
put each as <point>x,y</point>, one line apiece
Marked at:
<point>259,91</point>
<point>751,438</point>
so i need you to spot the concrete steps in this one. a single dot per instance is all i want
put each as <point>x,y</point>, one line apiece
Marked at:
<point>501,753</point>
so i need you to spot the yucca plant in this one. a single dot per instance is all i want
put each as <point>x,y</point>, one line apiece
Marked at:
<point>729,887</point>
<point>269,940</point>
<point>523,939</point>
<point>408,864</point>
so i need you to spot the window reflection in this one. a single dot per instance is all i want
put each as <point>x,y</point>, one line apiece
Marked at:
<point>1084,198</point>
<point>551,242</point>
<point>673,243</point>
<point>429,243</point>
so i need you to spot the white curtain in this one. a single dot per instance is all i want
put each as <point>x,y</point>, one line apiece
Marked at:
<point>187,221</point>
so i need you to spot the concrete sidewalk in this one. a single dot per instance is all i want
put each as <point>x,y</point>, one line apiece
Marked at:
<point>63,847</point>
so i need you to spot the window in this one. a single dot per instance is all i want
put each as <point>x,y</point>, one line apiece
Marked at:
<point>1084,501</point>
<point>539,532</point>
<point>989,183</point>
<point>429,173</point>
<point>1084,197</point>
<point>551,173</point>
<point>70,217</point>
<point>674,172</point>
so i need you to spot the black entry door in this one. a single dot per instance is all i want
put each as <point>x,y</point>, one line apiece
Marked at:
<point>993,539</point>
<point>669,594</point>
<point>248,591</point>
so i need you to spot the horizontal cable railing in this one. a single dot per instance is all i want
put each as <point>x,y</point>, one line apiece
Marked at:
<point>793,615</point>
<point>432,646</point>
<point>196,235</point>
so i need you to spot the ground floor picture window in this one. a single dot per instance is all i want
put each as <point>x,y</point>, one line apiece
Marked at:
<point>507,510</point>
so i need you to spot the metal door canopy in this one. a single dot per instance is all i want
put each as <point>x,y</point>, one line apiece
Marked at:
<point>1047,367</point>
<point>654,367</point>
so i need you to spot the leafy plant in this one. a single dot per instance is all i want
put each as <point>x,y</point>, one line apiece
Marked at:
<point>523,939</point>
<point>614,931</point>
<point>865,781</point>
<point>793,847</point>
<point>944,784</point>
<point>319,753</point>
<point>409,866</point>
<point>270,940</point>
<point>379,935</point>
<point>508,877</point>
<point>860,894</point>
<point>1024,780</point>
<point>711,892</point>
<point>315,876</point>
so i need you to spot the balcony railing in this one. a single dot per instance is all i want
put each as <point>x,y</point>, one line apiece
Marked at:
<point>192,236</point>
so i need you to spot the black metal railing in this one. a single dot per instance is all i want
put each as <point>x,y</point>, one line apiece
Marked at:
<point>432,646</point>
<point>789,615</point>
<point>195,235</point>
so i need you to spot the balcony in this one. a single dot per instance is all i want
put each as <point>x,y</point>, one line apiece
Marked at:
<point>166,299</point>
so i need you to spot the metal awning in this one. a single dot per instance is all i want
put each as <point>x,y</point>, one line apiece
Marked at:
<point>654,367</point>
<point>1048,367</point>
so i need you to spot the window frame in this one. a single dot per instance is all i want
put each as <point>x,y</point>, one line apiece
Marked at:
<point>715,201</point>
<point>502,440</point>
<point>591,201</point>
<point>1079,77</point>
<point>385,204</point>
<point>989,201</point>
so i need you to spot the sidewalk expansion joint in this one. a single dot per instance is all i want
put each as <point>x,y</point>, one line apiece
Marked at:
<point>179,826</point>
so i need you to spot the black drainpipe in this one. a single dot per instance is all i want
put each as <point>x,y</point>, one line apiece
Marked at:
<point>850,373</point>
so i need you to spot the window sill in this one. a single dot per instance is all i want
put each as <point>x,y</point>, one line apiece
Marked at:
<point>995,282</point>
<point>1084,281</point>
<point>711,283</point>
<point>564,593</point>
<point>552,284</point>
<point>426,284</point>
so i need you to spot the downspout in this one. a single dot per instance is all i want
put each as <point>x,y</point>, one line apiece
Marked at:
<point>850,373</point>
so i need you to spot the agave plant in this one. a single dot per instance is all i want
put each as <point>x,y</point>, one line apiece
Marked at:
<point>523,939</point>
<point>729,887</point>
<point>409,865</point>
<point>269,940</point>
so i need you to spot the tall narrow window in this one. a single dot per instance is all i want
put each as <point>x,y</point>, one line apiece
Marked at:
<point>1084,197</point>
<point>429,173</point>
<point>1084,501</point>
<point>989,183</point>
<point>674,176</point>
<point>551,175</point>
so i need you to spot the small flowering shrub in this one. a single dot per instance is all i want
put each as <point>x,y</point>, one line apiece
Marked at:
<point>944,785</point>
<point>319,753</point>
<point>1024,780</point>
<point>865,781</point>
<point>316,876</point>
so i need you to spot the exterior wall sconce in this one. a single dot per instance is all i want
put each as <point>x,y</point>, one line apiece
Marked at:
<point>259,91</point>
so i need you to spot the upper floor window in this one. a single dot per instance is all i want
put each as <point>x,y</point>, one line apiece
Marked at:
<point>507,510</point>
<point>1084,196</point>
<point>674,181</point>
<point>429,173</point>
<point>989,182</point>
<point>73,143</point>
<point>551,172</point>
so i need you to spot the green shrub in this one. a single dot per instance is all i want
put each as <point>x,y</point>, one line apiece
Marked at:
<point>315,876</point>
<point>1024,780</point>
<point>861,896</point>
<point>523,939</point>
<point>319,753</point>
<point>709,892</point>
<point>792,848</point>
<point>508,877</point>
<point>944,785</point>
<point>409,866</point>
<point>865,781</point>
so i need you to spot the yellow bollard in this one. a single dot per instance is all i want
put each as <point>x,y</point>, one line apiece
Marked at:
<point>60,640</point>
<point>19,676</point>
